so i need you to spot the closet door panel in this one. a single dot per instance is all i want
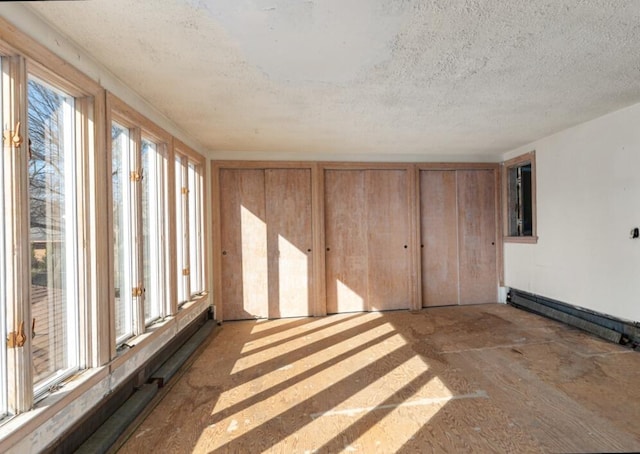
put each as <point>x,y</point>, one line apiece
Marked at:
<point>439,236</point>
<point>288,208</point>
<point>244,244</point>
<point>346,241</point>
<point>477,236</point>
<point>387,226</point>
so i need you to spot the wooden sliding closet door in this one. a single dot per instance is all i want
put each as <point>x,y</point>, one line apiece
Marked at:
<point>346,241</point>
<point>439,233</point>
<point>477,236</point>
<point>266,243</point>
<point>243,231</point>
<point>367,229</point>
<point>388,240</point>
<point>288,198</point>
<point>458,232</point>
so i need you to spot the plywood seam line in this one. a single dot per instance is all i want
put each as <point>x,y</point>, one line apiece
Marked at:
<point>414,238</point>
<point>458,248</point>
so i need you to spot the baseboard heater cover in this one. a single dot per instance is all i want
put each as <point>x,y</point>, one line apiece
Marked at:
<point>175,362</point>
<point>602,325</point>
<point>108,433</point>
<point>104,438</point>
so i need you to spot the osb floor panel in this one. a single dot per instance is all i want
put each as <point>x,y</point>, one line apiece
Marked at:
<point>487,378</point>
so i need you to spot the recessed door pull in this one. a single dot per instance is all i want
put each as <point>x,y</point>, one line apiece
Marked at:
<point>405,246</point>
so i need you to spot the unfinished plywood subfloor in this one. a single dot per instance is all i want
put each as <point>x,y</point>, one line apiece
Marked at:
<point>458,379</point>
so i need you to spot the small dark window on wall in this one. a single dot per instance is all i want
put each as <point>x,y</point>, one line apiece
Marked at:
<point>519,193</point>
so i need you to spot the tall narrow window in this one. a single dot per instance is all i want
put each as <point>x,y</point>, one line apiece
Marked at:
<point>196,246</point>
<point>520,196</point>
<point>123,240</point>
<point>3,275</point>
<point>154,218</point>
<point>189,227</point>
<point>521,222</point>
<point>53,233</point>
<point>182,229</point>
<point>140,224</point>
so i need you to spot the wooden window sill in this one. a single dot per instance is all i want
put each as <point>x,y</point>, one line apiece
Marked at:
<point>521,239</point>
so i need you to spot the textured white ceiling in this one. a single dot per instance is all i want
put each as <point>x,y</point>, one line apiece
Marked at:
<point>383,77</point>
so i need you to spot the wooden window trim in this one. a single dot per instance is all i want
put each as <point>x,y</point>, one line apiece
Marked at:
<point>184,150</point>
<point>506,165</point>
<point>24,55</point>
<point>187,155</point>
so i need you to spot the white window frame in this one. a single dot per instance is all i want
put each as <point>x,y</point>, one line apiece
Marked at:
<point>132,234</point>
<point>94,284</point>
<point>17,272</point>
<point>157,179</point>
<point>72,240</point>
<point>182,233</point>
<point>196,226</point>
<point>3,294</point>
<point>128,276</point>
<point>156,296</point>
<point>81,342</point>
<point>190,236</point>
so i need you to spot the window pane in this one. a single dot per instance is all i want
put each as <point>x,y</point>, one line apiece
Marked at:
<point>3,277</point>
<point>122,232</point>
<point>153,221</point>
<point>512,194</point>
<point>520,200</point>
<point>53,235</point>
<point>526,200</point>
<point>195,229</point>
<point>181,231</point>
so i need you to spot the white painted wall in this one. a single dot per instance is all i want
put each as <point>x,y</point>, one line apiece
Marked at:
<point>588,193</point>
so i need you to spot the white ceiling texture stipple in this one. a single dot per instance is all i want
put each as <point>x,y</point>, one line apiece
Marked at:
<point>417,78</point>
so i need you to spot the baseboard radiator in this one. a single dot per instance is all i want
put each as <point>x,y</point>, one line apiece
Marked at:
<point>104,426</point>
<point>605,326</point>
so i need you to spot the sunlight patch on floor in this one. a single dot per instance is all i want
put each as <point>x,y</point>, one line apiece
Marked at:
<point>373,393</point>
<point>272,346</point>
<point>249,409</point>
<point>351,352</point>
<point>328,389</point>
<point>374,428</point>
